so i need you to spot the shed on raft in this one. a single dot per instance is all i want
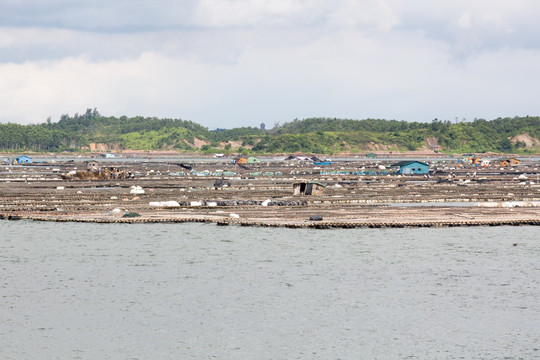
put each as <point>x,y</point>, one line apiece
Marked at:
<point>247,160</point>
<point>411,167</point>
<point>24,160</point>
<point>308,188</point>
<point>92,165</point>
<point>242,160</point>
<point>509,162</point>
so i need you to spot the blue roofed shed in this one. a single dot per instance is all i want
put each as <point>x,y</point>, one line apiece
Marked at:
<point>411,167</point>
<point>24,159</point>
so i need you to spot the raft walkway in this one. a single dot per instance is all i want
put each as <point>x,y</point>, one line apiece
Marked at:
<point>296,224</point>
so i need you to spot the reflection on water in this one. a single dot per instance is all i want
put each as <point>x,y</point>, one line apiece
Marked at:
<point>198,291</point>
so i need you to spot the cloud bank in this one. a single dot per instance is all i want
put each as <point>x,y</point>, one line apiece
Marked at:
<point>230,63</point>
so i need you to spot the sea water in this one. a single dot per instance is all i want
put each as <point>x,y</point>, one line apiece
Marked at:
<point>200,291</point>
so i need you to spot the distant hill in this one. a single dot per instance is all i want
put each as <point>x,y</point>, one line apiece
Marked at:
<point>93,132</point>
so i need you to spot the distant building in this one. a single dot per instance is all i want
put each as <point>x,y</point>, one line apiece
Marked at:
<point>107,156</point>
<point>242,160</point>
<point>263,126</point>
<point>252,160</point>
<point>509,162</point>
<point>24,160</point>
<point>299,158</point>
<point>247,160</point>
<point>480,162</point>
<point>92,165</point>
<point>411,167</point>
<point>476,161</point>
<point>308,188</point>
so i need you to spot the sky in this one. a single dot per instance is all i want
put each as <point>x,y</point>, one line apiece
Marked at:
<point>233,63</point>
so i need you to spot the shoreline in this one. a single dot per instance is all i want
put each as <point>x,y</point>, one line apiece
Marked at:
<point>302,225</point>
<point>299,217</point>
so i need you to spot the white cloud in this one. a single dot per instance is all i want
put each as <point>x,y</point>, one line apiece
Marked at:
<point>37,90</point>
<point>372,13</point>
<point>224,13</point>
<point>464,21</point>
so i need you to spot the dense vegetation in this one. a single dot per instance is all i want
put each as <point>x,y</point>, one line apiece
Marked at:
<point>315,135</point>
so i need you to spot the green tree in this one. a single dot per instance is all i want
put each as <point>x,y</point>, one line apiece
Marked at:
<point>506,146</point>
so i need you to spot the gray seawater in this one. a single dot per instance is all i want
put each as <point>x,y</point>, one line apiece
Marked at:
<point>199,291</point>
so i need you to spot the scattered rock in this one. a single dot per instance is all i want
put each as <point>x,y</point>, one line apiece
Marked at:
<point>171,203</point>
<point>129,214</point>
<point>136,190</point>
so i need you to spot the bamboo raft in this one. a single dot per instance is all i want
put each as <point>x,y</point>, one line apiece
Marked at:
<point>347,202</point>
<point>288,224</point>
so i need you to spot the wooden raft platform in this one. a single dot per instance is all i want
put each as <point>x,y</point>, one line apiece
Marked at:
<point>296,224</point>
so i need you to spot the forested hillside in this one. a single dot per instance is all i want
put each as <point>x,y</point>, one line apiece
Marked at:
<point>315,135</point>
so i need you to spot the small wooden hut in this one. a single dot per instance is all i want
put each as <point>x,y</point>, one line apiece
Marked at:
<point>92,165</point>
<point>509,162</point>
<point>308,188</point>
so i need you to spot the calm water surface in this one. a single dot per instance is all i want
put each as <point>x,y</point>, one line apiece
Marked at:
<point>196,291</point>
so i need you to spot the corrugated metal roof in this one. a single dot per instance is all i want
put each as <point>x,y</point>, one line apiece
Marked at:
<point>408,162</point>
